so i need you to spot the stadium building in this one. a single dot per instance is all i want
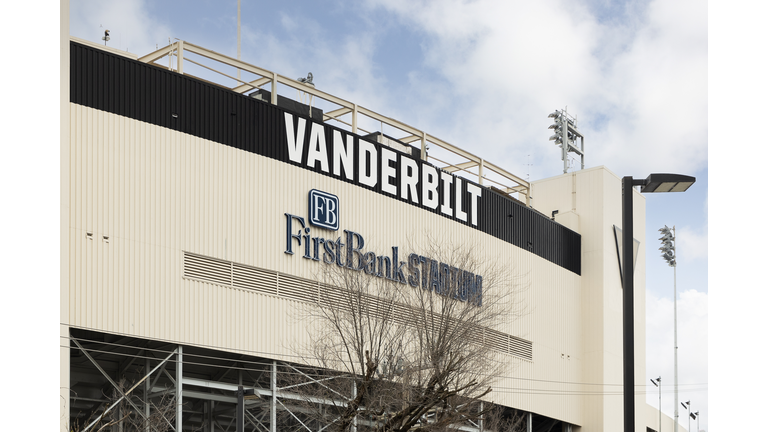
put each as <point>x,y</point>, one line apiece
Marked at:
<point>196,214</point>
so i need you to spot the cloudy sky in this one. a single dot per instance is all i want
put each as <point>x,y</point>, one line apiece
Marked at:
<point>484,75</point>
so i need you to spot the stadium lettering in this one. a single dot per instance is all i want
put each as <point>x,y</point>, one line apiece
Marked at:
<point>418,271</point>
<point>394,173</point>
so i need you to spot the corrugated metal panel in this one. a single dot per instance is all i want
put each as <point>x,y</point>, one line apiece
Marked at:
<point>216,271</point>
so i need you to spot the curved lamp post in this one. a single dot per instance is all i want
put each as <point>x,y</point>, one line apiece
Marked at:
<point>655,183</point>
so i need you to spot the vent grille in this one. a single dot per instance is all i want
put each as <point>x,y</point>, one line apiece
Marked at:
<point>295,288</point>
<point>254,278</point>
<point>227,273</point>
<point>207,269</point>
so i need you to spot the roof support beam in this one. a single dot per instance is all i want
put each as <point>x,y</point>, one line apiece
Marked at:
<point>460,167</point>
<point>242,88</point>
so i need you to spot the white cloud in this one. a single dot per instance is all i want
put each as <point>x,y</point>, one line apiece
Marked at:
<point>131,26</point>
<point>691,244</point>
<point>639,87</point>
<point>342,65</point>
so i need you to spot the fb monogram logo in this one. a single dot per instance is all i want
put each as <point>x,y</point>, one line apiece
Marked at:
<point>323,209</point>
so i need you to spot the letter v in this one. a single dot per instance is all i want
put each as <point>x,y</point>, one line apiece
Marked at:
<point>295,142</point>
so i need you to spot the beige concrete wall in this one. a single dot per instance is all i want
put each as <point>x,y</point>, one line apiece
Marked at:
<point>147,194</point>
<point>590,200</point>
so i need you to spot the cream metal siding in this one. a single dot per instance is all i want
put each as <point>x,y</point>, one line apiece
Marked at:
<point>156,193</point>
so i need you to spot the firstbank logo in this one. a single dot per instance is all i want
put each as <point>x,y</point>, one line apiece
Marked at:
<point>323,209</point>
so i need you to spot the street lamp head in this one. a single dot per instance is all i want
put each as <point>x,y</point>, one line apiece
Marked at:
<point>667,183</point>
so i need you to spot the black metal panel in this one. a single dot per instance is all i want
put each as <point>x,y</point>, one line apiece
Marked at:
<point>133,89</point>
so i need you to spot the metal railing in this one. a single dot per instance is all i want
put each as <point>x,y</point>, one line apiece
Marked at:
<point>344,113</point>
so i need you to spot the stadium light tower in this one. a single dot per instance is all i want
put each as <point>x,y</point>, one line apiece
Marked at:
<point>567,136</point>
<point>668,252</point>
<point>654,183</point>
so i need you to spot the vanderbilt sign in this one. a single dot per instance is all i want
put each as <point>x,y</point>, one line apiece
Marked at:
<point>346,157</point>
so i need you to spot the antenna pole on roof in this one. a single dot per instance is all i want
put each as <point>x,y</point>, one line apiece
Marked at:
<point>238,38</point>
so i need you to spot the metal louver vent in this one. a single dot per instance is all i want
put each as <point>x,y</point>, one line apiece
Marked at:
<point>263,281</point>
<point>227,273</point>
<point>297,288</point>
<point>207,269</point>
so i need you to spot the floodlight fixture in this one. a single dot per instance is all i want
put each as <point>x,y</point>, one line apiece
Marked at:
<point>307,80</point>
<point>567,136</point>
<point>667,183</point>
<point>667,245</point>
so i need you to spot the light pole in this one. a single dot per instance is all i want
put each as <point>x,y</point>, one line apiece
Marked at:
<point>687,405</point>
<point>654,183</point>
<point>669,253</point>
<point>657,383</point>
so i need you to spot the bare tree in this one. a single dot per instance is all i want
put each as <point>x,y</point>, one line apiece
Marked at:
<point>401,345</point>
<point>502,419</point>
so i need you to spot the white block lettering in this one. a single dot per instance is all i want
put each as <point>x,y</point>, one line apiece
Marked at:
<point>409,178</point>
<point>317,150</point>
<point>343,156</point>
<point>476,192</point>
<point>368,154</point>
<point>446,206</point>
<point>388,171</point>
<point>295,142</point>
<point>429,182</point>
<point>461,214</point>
